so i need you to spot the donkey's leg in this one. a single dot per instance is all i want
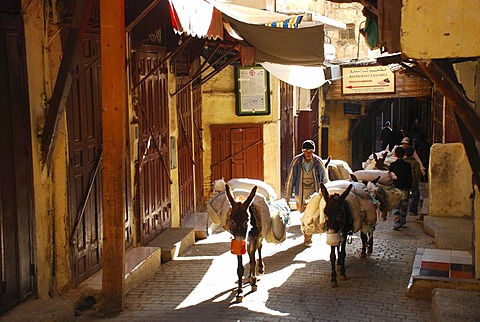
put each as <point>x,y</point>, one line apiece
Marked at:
<point>364,238</point>
<point>333,259</point>
<point>261,265</point>
<point>240,270</point>
<point>342,255</point>
<point>370,243</point>
<point>253,268</point>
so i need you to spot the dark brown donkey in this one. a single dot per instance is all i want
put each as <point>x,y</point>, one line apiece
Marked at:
<point>244,220</point>
<point>338,225</point>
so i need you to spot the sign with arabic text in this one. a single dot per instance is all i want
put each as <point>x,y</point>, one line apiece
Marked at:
<point>367,79</point>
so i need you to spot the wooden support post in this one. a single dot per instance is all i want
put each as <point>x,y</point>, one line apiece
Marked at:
<point>441,74</point>
<point>114,113</point>
<point>63,83</point>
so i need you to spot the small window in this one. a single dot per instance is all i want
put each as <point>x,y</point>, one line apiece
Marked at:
<point>349,33</point>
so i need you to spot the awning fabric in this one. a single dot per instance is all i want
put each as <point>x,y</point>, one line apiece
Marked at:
<point>196,18</point>
<point>248,15</point>
<point>309,77</point>
<point>301,46</point>
<point>290,46</point>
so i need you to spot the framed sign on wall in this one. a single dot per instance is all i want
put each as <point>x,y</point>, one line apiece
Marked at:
<point>367,79</point>
<point>252,90</point>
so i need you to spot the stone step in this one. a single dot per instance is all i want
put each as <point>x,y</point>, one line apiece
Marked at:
<point>173,242</point>
<point>454,305</point>
<point>455,233</point>
<point>140,264</point>
<point>441,268</point>
<point>199,222</point>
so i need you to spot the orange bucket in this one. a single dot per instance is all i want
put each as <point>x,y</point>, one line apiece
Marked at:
<point>238,247</point>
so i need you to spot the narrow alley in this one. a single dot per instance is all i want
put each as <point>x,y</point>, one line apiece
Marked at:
<point>200,284</point>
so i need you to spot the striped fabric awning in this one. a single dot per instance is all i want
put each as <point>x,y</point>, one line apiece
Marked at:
<point>287,23</point>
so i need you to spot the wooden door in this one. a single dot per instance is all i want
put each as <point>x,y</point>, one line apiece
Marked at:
<point>437,117</point>
<point>84,117</point>
<point>452,133</point>
<point>153,193</point>
<point>287,137</point>
<point>17,263</point>
<point>237,151</point>
<point>185,150</point>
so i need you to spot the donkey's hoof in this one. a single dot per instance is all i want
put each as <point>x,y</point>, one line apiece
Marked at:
<point>239,299</point>
<point>333,283</point>
<point>343,277</point>
<point>254,288</point>
<point>369,250</point>
<point>363,255</point>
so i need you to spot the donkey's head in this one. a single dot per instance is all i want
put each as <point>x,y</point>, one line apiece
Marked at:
<point>380,161</point>
<point>239,215</point>
<point>336,220</point>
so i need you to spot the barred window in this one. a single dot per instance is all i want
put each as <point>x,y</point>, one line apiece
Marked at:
<point>349,33</point>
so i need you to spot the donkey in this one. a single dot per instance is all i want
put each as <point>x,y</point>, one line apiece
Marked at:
<point>387,195</point>
<point>338,224</point>
<point>380,161</point>
<point>244,220</point>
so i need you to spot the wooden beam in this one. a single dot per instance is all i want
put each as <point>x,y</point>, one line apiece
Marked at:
<point>142,15</point>
<point>63,82</point>
<point>470,149</point>
<point>441,74</point>
<point>114,114</point>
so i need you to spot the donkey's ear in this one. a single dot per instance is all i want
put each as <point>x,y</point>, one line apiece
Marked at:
<point>375,156</point>
<point>328,161</point>
<point>250,196</point>
<point>346,192</point>
<point>353,177</point>
<point>385,154</point>
<point>229,195</point>
<point>376,180</point>
<point>324,190</point>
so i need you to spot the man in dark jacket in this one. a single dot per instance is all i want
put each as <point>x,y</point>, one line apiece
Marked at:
<point>304,176</point>
<point>403,172</point>
<point>386,137</point>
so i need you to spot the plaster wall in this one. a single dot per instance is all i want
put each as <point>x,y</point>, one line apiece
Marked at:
<point>450,181</point>
<point>440,29</point>
<point>50,189</point>
<point>339,144</point>
<point>218,102</point>
<point>174,187</point>
<point>476,232</point>
<point>348,13</point>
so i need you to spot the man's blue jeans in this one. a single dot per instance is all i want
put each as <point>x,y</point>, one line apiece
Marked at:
<point>415,200</point>
<point>401,212</point>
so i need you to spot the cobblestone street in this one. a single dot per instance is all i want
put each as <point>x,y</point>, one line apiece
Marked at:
<point>200,284</point>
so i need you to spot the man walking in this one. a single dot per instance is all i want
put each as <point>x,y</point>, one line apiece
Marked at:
<point>386,136</point>
<point>305,173</point>
<point>403,172</point>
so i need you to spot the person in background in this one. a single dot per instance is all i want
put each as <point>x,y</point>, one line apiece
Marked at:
<point>416,133</point>
<point>403,172</point>
<point>305,173</point>
<point>416,176</point>
<point>396,135</point>
<point>386,136</point>
<point>406,143</point>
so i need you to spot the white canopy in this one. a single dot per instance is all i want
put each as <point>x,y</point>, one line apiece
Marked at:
<point>308,77</point>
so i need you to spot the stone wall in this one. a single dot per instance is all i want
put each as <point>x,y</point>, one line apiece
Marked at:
<point>450,181</point>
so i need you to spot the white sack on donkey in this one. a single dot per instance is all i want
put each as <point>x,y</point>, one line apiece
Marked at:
<point>273,211</point>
